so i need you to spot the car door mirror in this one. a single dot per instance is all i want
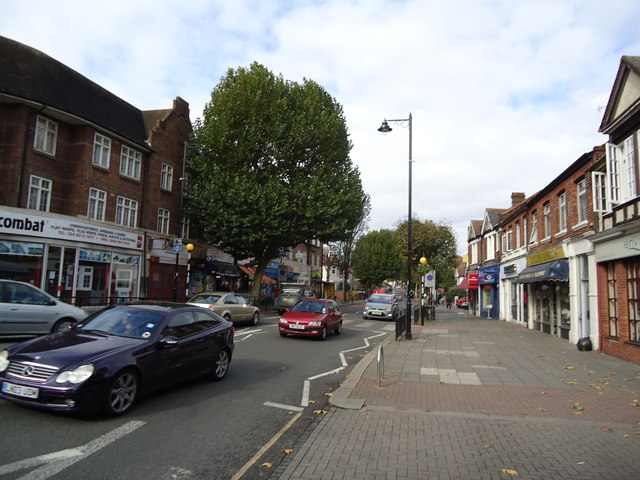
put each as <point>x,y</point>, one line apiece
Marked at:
<point>168,341</point>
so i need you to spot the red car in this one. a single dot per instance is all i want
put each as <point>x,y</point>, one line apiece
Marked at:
<point>313,317</point>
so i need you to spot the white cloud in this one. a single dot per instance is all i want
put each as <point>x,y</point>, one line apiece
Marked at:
<point>504,94</point>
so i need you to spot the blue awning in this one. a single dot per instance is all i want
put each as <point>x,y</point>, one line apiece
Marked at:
<point>557,271</point>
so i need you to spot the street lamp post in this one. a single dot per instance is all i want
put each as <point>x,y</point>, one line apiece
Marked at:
<point>189,248</point>
<point>385,128</point>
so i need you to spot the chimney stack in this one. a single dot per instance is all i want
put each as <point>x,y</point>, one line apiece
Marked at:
<point>517,198</point>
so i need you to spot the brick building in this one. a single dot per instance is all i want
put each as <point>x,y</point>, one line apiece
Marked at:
<point>617,245</point>
<point>90,182</point>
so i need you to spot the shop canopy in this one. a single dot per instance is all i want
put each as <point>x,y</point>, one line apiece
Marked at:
<point>251,271</point>
<point>470,281</point>
<point>557,270</point>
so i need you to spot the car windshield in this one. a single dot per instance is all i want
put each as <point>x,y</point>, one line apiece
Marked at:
<point>309,306</point>
<point>124,322</point>
<point>205,298</point>
<point>379,299</point>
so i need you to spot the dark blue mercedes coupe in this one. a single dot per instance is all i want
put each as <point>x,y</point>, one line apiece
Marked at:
<point>107,361</point>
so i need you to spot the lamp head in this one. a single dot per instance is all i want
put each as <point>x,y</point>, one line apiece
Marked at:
<point>189,246</point>
<point>385,128</point>
<point>423,260</point>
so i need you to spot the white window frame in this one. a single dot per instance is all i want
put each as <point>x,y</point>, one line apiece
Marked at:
<point>599,192</point>
<point>518,235</point>
<point>166,177</point>
<point>621,172</point>
<point>581,200</point>
<point>126,212</point>
<point>39,197</point>
<point>533,238</point>
<point>46,136</point>
<point>164,216</point>
<point>85,278</point>
<point>562,212</point>
<point>97,204</point>
<point>101,150</point>
<point>130,163</point>
<point>546,220</point>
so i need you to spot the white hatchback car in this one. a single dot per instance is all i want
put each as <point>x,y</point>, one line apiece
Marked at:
<point>27,310</point>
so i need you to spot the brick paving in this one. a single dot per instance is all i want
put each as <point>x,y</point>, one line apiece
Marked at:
<point>471,398</point>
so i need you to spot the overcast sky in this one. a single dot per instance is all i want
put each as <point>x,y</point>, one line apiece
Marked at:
<point>505,94</point>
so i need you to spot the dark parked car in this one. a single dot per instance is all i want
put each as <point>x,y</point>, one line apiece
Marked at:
<point>312,317</point>
<point>108,361</point>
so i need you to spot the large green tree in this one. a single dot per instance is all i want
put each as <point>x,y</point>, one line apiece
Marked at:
<point>434,241</point>
<point>376,258</point>
<point>268,167</point>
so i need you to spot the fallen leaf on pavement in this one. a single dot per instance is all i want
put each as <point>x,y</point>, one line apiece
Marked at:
<point>635,404</point>
<point>288,451</point>
<point>318,412</point>
<point>329,394</point>
<point>312,401</point>
<point>569,368</point>
<point>543,409</point>
<point>488,446</point>
<point>572,383</point>
<point>510,471</point>
<point>267,464</point>
<point>578,406</point>
<point>544,393</point>
<point>597,387</point>
<point>607,430</point>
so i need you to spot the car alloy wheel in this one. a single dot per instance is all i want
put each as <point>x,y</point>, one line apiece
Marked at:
<point>121,394</point>
<point>221,366</point>
<point>256,319</point>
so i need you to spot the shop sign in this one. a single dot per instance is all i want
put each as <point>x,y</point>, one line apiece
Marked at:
<point>488,275</point>
<point>555,253</point>
<point>621,247</point>
<point>218,255</point>
<point>57,229</point>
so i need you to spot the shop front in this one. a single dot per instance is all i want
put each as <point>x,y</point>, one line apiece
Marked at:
<point>547,284</point>
<point>489,301</point>
<point>513,294</point>
<point>76,261</point>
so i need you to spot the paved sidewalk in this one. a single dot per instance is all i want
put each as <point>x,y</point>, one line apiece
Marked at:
<point>471,398</point>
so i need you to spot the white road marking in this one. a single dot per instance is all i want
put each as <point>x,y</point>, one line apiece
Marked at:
<point>283,406</point>
<point>54,463</point>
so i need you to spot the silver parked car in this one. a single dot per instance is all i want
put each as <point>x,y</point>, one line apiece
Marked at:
<point>230,306</point>
<point>381,305</point>
<point>26,310</point>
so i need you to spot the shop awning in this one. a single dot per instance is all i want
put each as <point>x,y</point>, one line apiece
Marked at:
<point>464,284</point>
<point>251,271</point>
<point>557,270</point>
<point>470,281</point>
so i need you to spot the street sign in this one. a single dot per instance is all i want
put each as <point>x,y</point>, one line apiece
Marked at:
<point>177,245</point>
<point>430,279</point>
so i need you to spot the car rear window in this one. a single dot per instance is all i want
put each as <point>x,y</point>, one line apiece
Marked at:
<point>380,299</point>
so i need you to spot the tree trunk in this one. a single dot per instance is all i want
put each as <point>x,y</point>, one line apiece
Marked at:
<point>257,282</point>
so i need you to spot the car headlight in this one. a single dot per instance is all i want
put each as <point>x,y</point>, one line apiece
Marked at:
<point>4,360</point>
<point>315,324</point>
<point>78,375</point>
<point>282,320</point>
